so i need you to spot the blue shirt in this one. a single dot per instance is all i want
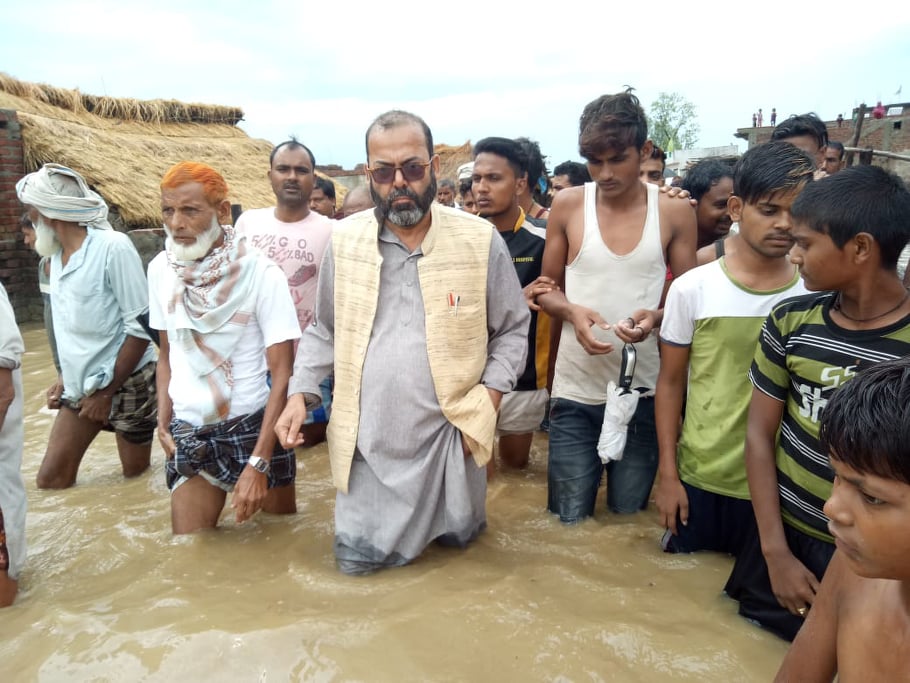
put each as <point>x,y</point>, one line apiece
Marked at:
<point>96,298</point>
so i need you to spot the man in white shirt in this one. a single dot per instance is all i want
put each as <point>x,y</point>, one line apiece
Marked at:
<point>226,319</point>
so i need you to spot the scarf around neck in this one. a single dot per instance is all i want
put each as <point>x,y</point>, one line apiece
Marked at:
<point>208,312</point>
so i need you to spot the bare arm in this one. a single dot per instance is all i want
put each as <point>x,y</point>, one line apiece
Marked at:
<point>252,486</point>
<point>555,257</point>
<point>165,405</point>
<point>668,401</point>
<point>813,656</point>
<point>683,236</point>
<point>793,584</point>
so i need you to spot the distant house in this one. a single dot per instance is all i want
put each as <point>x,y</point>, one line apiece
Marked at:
<point>891,133</point>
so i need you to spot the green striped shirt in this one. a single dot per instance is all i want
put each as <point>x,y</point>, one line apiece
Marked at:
<point>802,357</point>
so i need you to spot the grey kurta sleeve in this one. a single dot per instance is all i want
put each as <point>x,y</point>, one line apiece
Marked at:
<point>316,351</point>
<point>508,318</point>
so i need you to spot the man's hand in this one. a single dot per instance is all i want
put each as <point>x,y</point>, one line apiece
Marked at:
<point>249,493</point>
<point>288,426</point>
<point>541,285</point>
<point>793,584</point>
<point>55,393</point>
<point>636,327</point>
<point>96,407</point>
<point>583,319</point>
<point>678,193</point>
<point>671,499</point>
<point>166,439</point>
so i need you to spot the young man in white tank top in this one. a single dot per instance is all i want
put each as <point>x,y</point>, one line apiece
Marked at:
<point>608,247</point>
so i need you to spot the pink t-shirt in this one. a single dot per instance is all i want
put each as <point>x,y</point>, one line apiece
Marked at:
<point>297,248</point>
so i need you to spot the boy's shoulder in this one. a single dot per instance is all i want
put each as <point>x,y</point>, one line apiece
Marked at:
<point>871,620</point>
<point>803,307</point>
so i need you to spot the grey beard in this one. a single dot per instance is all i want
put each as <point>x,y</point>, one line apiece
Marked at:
<point>405,218</point>
<point>46,242</point>
<point>199,249</point>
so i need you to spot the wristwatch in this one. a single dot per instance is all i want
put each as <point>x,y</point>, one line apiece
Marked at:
<point>259,464</point>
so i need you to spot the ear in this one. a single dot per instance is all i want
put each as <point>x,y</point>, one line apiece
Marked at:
<point>434,164</point>
<point>521,184</point>
<point>862,248</point>
<point>735,208</point>
<point>224,211</point>
<point>646,149</point>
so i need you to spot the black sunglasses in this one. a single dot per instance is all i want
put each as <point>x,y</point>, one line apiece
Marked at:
<point>411,172</point>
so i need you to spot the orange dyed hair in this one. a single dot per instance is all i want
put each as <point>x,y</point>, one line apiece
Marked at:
<point>214,187</point>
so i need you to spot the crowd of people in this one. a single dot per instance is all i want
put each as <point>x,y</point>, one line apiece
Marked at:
<point>757,317</point>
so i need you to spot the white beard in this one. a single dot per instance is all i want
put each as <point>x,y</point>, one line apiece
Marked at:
<point>198,249</point>
<point>46,242</point>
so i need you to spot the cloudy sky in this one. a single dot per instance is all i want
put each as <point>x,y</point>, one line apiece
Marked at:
<point>322,71</point>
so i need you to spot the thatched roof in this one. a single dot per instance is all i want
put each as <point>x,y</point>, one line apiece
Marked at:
<point>123,147</point>
<point>450,158</point>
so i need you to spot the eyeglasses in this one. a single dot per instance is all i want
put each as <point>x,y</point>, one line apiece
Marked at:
<point>411,172</point>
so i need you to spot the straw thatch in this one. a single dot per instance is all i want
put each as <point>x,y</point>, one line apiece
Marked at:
<point>123,147</point>
<point>450,158</point>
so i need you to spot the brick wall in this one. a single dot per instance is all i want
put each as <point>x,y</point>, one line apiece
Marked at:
<point>18,264</point>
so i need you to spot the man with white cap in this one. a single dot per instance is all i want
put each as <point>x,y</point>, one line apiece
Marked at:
<point>98,292</point>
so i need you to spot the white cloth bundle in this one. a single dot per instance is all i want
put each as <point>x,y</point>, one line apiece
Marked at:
<point>618,411</point>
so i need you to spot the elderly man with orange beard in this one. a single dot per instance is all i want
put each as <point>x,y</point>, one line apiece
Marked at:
<point>226,318</point>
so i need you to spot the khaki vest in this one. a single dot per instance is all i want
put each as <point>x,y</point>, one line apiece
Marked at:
<point>455,259</point>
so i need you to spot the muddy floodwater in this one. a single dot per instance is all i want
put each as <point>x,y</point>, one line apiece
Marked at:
<point>109,595</point>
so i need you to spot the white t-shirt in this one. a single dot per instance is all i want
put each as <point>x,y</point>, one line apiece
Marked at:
<point>274,320</point>
<point>297,248</point>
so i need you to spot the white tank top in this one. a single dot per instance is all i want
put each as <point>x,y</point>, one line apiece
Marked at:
<point>614,286</point>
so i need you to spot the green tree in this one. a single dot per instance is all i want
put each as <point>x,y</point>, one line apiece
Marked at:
<point>672,122</point>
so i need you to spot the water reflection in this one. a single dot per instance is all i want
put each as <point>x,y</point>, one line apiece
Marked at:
<point>110,595</point>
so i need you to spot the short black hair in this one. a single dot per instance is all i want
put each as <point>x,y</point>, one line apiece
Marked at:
<point>465,186</point>
<point>537,167</point>
<point>770,168</point>
<point>859,199</point>
<point>612,122</point>
<point>866,422</point>
<point>510,150</point>
<point>704,175</point>
<point>326,185</point>
<point>395,118</point>
<point>576,172</point>
<point>446,182</point>
<point>291,143</point>
<point>837,146</point>
<point>658,154</point>
<point>802,124</point>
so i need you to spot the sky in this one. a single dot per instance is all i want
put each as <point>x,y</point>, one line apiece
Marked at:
<point>324,71</point>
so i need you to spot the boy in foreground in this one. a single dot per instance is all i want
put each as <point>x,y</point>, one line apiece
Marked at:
<point>848,231</point>
<point>858,623</point>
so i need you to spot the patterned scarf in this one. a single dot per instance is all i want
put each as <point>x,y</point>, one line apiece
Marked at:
<point>208,312</point>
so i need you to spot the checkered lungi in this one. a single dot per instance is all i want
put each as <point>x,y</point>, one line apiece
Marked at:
<point>220,451</point>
